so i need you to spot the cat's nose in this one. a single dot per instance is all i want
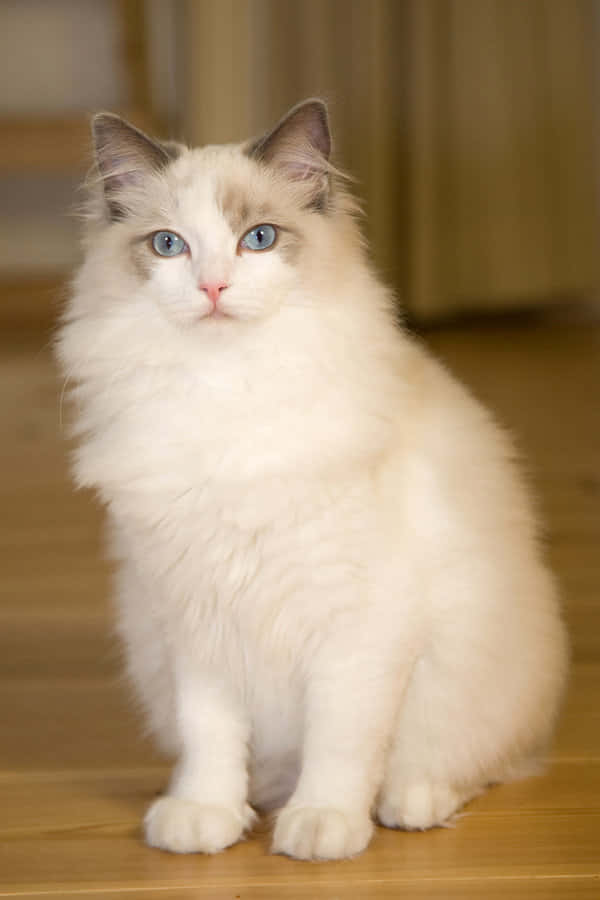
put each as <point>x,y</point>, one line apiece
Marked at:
<point>212,289</point>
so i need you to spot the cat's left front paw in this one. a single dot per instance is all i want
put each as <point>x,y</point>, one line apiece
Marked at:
<point>309,832</point>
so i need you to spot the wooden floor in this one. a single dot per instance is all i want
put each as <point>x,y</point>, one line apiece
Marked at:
<point>75,776</point>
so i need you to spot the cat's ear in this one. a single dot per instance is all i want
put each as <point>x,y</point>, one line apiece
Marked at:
<point>299,146</point>
<point>125,157</point>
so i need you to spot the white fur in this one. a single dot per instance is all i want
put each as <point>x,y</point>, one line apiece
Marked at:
<point>329,587</point>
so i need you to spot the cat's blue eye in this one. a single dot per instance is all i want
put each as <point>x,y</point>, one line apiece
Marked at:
<point>167,243</point>
<point>261,237</point>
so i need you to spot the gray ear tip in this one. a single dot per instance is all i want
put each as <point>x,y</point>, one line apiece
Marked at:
<point>305,123</point>
<point>103,116</point>
<point>101,121</point>
<point>321,113</point>
<point>318,102</point>
<point>314,112</point>
<point>317,105</point>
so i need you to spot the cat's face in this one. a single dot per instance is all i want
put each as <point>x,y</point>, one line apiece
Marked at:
<point>217,235</point>
<point>219,238</point>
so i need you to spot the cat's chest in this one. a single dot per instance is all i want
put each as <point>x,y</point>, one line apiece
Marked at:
<point>261,557</point>
<point>186,429</point>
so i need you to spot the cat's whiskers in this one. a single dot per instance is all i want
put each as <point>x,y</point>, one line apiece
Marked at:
<point>62,400</point>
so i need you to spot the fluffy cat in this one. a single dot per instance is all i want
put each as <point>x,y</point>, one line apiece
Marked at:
<point>329,586</point>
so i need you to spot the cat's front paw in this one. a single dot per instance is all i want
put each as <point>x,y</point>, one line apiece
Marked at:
<point>309,832</point>
<point>182,826</point>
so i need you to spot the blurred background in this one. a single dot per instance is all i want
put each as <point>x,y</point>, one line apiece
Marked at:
<point>470,125</point>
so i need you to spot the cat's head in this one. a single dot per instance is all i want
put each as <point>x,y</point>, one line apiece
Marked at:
<point>211,236</point>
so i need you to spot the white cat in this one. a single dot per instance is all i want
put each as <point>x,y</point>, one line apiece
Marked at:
<point>329,586</point>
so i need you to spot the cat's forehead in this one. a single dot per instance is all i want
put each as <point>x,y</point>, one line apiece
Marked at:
<point>224,180</point>
<point>201,169</point>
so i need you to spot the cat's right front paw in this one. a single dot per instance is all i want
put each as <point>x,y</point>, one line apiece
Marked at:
<point>308,832</point>
<point>183,826</point>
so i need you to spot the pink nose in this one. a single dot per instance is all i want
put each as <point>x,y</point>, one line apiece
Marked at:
<point>213,290</point>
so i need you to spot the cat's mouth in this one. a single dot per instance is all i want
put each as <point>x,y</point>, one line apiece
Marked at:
<point>196,318</point>
<point>216,314</point>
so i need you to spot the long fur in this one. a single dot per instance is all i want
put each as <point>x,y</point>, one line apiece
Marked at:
<point>329,586</point>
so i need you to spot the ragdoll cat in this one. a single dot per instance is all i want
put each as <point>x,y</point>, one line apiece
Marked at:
<point>329,587</point>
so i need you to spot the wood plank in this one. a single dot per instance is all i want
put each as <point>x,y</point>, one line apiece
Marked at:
<point>73,646</point>
<point>578,735</point>
<point>71,723</point>
<point>538,845</point>
<point>500,888</point>
<point>48,804</point>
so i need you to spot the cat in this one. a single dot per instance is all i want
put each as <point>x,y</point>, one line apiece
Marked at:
<point>328,581</point>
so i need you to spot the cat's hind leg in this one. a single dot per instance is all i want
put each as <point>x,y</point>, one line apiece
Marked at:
<point>479,709</point>
<point>419,805</point>
<point>421,787</point>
